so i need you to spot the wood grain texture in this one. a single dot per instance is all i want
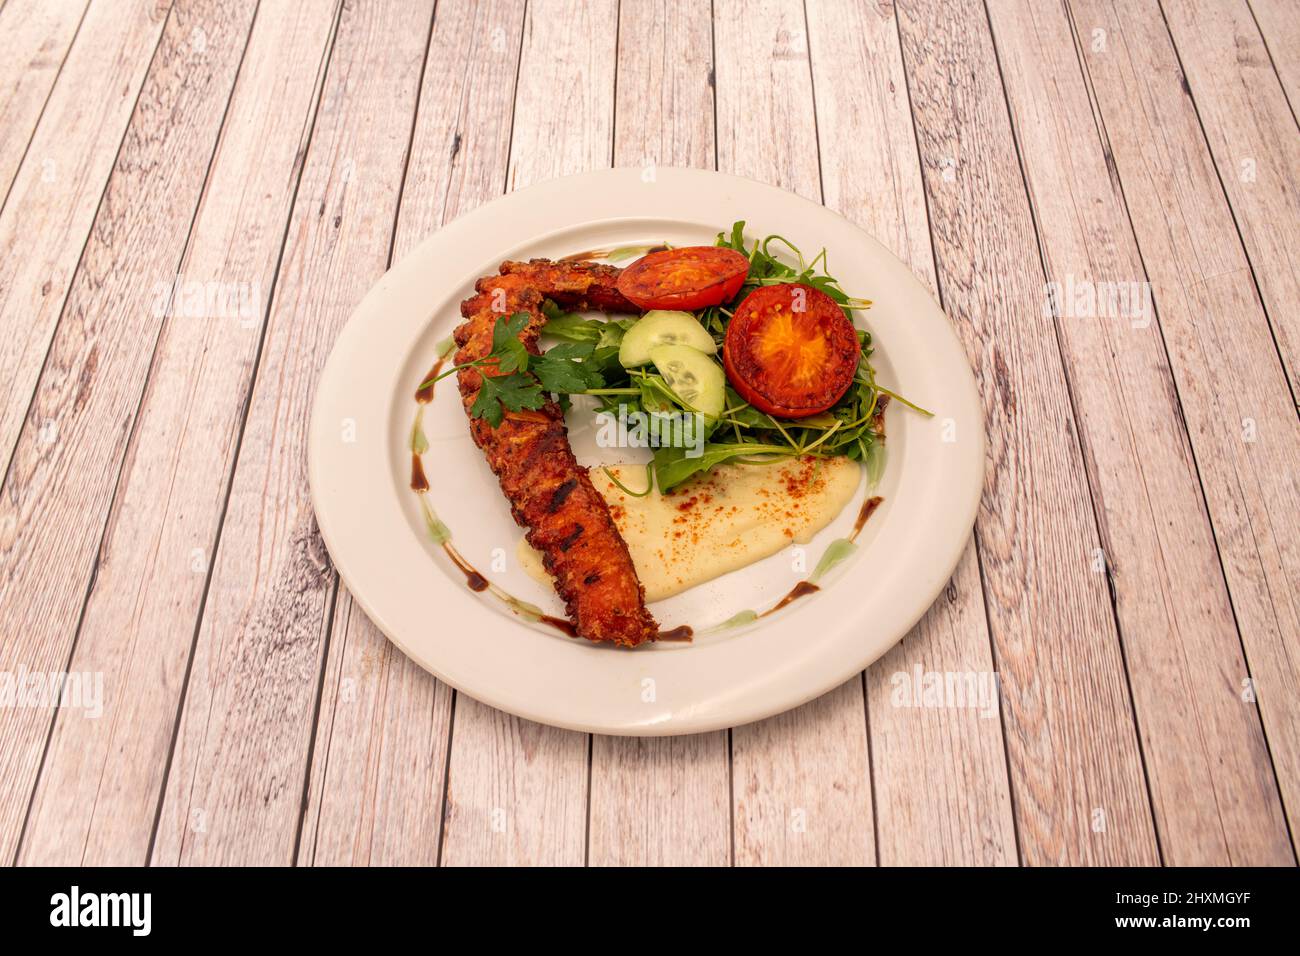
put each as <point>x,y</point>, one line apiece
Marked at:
<point>1279,25</point>
<point>101,779</point>
<point>378,771</point>
<point>64,472</point>
<point>941,790</point>
<point>663,801</point>
<point>664,113</point>
<point>1233,390</point>
<point>568,58</point>
<point>766,127</point>
<point>1211,780</point>
<point>235,790</point>
<point>57,190</point>
<point>35,36</point>
<point>660,801</point>
<point>155,525</point>
<point>1245,114</point>
<point>802,780</point>
<point>802,786</point>
<point>1077,776</point>
<point>517,791</point>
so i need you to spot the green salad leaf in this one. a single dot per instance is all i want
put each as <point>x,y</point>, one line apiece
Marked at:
<point>674,465</point>
<point>586,362</point>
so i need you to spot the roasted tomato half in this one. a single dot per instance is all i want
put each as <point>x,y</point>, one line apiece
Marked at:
<point>693,277</point>
<point>790,351</point>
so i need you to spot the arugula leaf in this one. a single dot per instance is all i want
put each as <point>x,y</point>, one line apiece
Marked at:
<point>672,467</point>
<point>612,330</point>
<point>739,412</point>
<point>605,361</point>
<point>656,396</point>
<point>737,236</point>
<point>766,269</point>
<point>569,325</point>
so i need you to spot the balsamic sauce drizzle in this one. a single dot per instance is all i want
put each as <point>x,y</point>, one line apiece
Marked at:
<point>419,483</point>
<point>804,588</point>
<point>478,583</point>
<point>473,579</point>
<point>868,509</point>
<point>424,394</point>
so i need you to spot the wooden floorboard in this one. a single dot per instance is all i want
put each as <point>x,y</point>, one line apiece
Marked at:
<point>1078,781</point>
<point>1244,113</point>
<point>67,466</point>
<point>1182,649</point>
<point>56,193</point>
<point>35,38</point>
<point>378,779</point>
<point>196,194</point>
<point>235,788</point>
<point>101,780</point>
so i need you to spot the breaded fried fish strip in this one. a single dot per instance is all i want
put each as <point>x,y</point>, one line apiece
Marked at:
<point>550,494</point>
<point>574,285</point>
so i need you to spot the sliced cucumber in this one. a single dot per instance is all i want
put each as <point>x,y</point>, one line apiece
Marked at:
<point>661,327</point>
<point>694,377</point>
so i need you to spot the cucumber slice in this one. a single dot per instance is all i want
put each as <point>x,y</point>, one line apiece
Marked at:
<point>661,327</point>
<point>694,377</point>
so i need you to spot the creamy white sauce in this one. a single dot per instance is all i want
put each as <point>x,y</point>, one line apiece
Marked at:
<point>724,520</point>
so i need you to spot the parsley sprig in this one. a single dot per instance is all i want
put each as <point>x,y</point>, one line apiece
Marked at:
<point>523,380</point>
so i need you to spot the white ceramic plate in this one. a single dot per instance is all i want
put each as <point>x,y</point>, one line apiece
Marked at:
<point>360,469</point>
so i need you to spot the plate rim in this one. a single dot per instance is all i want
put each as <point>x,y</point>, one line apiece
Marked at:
<point>480,685</point>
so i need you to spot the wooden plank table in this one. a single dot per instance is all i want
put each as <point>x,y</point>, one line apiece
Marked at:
<point>1103,194</point>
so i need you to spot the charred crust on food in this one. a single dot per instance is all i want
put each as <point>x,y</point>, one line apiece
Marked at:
<point>569,539</point>
<point>550,494</point>
<point>561,494</point>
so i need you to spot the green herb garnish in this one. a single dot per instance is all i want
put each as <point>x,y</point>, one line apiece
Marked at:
<point>586,363</point>
<point>501,392</point>
<point>523,380</point>
<point>649,481</point>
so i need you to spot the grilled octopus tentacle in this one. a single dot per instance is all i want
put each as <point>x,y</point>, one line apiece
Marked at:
<point>574,285</point>
<point>550,494</point>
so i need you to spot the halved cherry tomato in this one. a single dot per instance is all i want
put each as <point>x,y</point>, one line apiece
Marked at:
<point>689,278</point>
<point>790,351</point>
